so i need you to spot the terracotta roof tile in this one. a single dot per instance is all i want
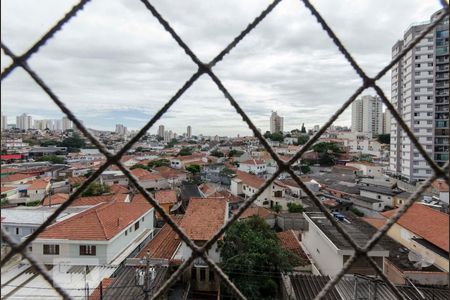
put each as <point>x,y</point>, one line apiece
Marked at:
<point>167,172</point>
<point>55,199</point>
<point>5,189</point>
<point>165,243</point>
<point>290,242</point>
<point>106,282</point>
<point>204,217</point>
<point>38,184</point>
<point>440,185</point>
<point>227,195</point>
<point>375,222</point>
<point>143,174</point>
<point>425,222</point>
<point>256,211</point>
<point>250,179</point>
<point>101,222</point>
<point>17,177</point>
<point>166,196</point>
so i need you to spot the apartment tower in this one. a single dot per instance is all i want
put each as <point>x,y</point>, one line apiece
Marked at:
<point>419,92</point>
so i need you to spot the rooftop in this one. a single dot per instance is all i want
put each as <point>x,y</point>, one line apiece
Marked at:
<point>166,196</point>
<point>428,223</point>
<point>204,217</point>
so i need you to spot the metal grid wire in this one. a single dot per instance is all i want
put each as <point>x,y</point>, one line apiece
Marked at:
<point>207,68</point>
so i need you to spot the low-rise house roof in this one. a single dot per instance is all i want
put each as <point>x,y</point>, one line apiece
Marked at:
<point>56,199</point>
<point>38,184</point>
<point>204,217</point>
<point>168,172</point>
<point>255,210</point>
<point>166,196</point>
<point>289,240</point>
<point>165,243</point>
<point>440,185</point>
<point>378,189</point>
<point>428,223</point>
<point>101,222</point>
<point>17,177</point>
<point>254,162</point>
<point>142,174</point>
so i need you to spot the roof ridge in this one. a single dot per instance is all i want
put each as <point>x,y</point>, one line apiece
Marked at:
<point>101,223</point>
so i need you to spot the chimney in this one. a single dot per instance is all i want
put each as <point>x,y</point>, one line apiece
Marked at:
<point>119,221</point>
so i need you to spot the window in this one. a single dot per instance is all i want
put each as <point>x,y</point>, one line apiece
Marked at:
<point>51,249</point>
<point>194,273</point>
<point>136,226</point>
<point>211,275</point>
<point>142,220</point>
<point>126,232</point>
<point>17,230</point>
<point>88,250</point>
<point>378,197</point>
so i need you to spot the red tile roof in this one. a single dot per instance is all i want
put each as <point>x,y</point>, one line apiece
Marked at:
<point>167,172</point>
<point>227,195</point>
<point>166,196</point>
<point>143,174</point>
<point>17,177</point>
<point>119,189</point>
<point>425,222</point>
<point>254,162</point>
<point>8,170</point>
<point>38,184</point>
<point>256,211</point>
<point>55,199</point>
<point>106,282</point>
<point>101,222</point>
<point>92,200</point>
<point>5,189</point>
<point>250,179</point>
<point>375,222</point>
<point>204,217</point>
<point>207,189</point>
<point>76,180</point>
<point>289,240</point>
<point>165,243</point>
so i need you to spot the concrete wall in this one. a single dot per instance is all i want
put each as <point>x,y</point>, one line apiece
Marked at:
<point>294,221</point>
<point>322,251</point>
<point>18,231</point>
<point>388,200</point>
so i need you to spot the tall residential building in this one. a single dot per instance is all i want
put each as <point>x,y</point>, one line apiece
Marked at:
<point>276,122</point>
<point>189,132</point>
<point>66,123</point>
<point>4,123</point>
<point>386,122</point>
<point>367,115</point>
<point>161,131</point>
<point>121,129</point>
<point>24,122</point>
<point>420,90</point>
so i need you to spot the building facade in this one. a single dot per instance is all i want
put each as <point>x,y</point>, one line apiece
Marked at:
<point>24,122</point>
<point>367,115</point>
<point>276,123</point>
<point>419,91</point>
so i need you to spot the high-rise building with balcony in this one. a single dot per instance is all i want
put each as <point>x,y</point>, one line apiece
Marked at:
<point>189,132</point>
<point>419,92</point>
<point>161,131</point>
<point>24,122</point>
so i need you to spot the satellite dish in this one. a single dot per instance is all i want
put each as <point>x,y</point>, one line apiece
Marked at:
<point>419,260</point>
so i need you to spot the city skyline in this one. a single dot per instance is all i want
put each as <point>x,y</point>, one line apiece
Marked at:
<point>149,78</point>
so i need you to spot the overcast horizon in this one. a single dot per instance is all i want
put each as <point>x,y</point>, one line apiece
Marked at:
<point>114,63</point>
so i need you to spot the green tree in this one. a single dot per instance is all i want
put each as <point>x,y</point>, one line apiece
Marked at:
<point>384,138</point>
<point>158,163</point>
<point>327,152</point>
<point>47,143</point>
<point>305,169</point>
<point>252,257</point>
<point>138,166</point>
<point>73,142</point>
<point>302,139</point>
<point>234,153</point>
<point>52,158</point>
<point>185,151</point>
<point>96,189</point>
<point>226,172</point>
<point>217,153</point>
<point>295,208</point>
<point>193,168</point>
<point>277,136</point>
<point>277,208</point>
<point>267,134</point>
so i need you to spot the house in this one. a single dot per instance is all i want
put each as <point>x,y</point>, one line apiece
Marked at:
<point>246,185</point>
<point>328,249</point>
<point>17,179</point>
<point>440,188</point>
<point>367,168</point>
<point>9,192</point>
<point>166,199</point>
<point>384,194</point>
<point>55,199</point>
<point>425,231</point>
<point>174,177</point>
<point>113,177</point>
<point>203,218</point>
<point>253,166</point>
<point>294,188</point>
<point>38,189</point>
<point>103,234</point>
<point>149,180</point>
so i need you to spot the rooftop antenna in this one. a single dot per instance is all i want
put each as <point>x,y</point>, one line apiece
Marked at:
<point>420,260</point>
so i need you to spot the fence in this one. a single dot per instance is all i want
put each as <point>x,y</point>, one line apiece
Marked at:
<point>207,69</point>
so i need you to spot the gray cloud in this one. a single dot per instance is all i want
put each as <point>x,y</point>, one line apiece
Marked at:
<point>114,63</point>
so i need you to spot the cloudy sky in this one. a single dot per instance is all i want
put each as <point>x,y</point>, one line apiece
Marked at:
<point>114,63</point>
